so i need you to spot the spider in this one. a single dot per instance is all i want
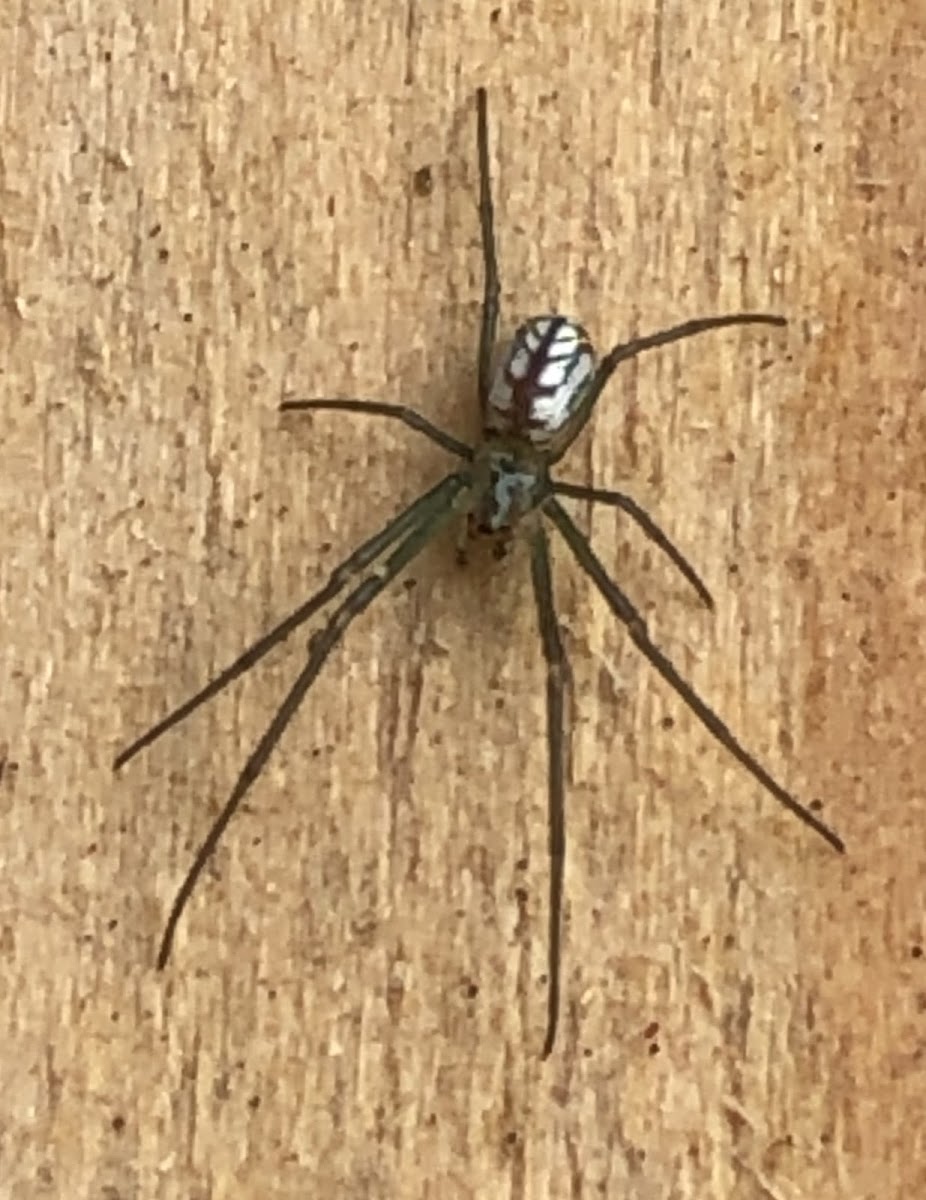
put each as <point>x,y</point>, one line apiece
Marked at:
<point>534,405</point>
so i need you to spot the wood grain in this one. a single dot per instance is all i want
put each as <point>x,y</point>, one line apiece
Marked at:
<point>207,207</point>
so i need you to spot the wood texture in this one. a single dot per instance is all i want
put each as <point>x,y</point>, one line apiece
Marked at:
<point>206,207</point>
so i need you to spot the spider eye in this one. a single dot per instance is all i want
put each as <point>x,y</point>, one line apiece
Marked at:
<point>540,381</point>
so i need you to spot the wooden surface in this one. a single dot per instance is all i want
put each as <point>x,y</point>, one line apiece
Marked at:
<point>207,207</point>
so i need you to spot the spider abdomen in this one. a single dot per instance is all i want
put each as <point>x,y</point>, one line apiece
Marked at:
<point>539,383</point>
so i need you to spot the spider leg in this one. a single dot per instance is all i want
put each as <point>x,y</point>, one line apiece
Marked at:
<point>370,550</point>
<point>557,682</point>
<point>622,608</point>
<point>646,523</point>
<point>490,294</point>
<point>624,350</point>
<point>427,523</point>
<point>377,408</point>
<point>687,329</point>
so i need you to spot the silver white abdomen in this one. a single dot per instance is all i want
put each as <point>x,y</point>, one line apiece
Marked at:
<point>540,381</point>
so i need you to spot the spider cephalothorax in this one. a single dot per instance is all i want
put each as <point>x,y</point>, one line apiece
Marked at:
<point>539,400</point>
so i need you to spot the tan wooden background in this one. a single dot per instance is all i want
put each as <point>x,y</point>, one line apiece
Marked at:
<point>206,207</point>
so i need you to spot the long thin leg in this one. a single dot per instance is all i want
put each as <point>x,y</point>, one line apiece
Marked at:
<point>557,681</point>
<point>320,646</point>
<point>487,225</point>
<point>624,350</point>
<point>636,627</point>
<point>376,408</point>
<point>687,329</point>
<point>646,523</point>
<point>409,519</point>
